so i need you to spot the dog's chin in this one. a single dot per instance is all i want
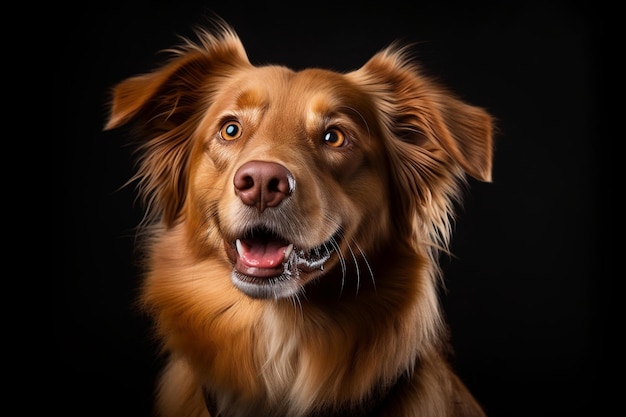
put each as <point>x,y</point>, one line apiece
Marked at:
<point>268,267</point>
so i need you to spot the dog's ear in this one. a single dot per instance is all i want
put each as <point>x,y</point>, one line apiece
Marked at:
<point>162,88</point>
<point>418,110</point>
<point>174,90</point>
<point>165,107</point>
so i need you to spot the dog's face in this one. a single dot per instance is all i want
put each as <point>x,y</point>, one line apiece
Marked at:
<point>286,170</point>
<point>289,175</point>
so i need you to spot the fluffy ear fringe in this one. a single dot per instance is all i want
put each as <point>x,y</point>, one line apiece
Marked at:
<point>419,110</point>
<point>213,53</point>
<point>433,137</point>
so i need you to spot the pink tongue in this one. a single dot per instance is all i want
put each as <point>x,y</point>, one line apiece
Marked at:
<point>262,253</point>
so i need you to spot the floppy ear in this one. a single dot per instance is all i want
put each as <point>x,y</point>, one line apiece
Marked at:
<point>433,139</point>
<point>466,133</point>
<point>417,110</point>
<point>165,106</point>
<point>177,87</point>
<point>150,94</point>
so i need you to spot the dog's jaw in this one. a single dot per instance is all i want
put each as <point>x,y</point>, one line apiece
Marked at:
<point>270,267</point>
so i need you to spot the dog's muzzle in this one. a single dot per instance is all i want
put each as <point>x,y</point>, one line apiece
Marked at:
<point>266,264</point>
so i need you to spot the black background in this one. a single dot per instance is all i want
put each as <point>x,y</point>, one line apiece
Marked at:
<point>528,291</point>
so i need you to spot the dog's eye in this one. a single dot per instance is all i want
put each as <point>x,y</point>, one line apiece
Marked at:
<point>334,138</point>
<point>231,130</point>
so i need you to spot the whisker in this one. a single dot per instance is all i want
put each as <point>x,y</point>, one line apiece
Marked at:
<point>356,267</point>
<point>340,255</point>
<point>369,268</point>
<point>342,263</point>
<point>297,304</point>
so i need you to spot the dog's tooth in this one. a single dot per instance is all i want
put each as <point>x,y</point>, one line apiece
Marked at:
<point>288,251</point>
<point>239,247</point>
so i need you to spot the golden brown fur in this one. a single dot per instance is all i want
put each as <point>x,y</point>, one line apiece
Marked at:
<point>351,329</point>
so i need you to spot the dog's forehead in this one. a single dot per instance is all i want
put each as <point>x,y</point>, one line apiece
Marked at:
<point>308,98</point>
<point>312,89</point>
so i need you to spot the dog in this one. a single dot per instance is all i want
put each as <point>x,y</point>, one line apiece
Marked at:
<point>293,226</point>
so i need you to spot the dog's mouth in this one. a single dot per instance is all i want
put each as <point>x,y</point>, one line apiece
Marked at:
<point>267,265</point>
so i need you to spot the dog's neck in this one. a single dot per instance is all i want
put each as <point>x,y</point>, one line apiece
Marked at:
<point>346,290</point>
<point>370,407</point>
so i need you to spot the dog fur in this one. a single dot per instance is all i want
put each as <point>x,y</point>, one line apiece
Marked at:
<point>359,171</point>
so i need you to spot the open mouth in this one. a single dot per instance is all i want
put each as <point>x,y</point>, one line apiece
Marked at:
<point>266,265</point>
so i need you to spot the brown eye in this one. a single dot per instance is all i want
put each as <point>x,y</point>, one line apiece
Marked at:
<point>334,138</point>
<point>231,130</point>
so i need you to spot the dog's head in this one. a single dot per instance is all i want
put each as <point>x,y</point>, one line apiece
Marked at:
<point>290,175</point>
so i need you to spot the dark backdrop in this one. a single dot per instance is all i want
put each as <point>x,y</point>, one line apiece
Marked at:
<point>528,288</point>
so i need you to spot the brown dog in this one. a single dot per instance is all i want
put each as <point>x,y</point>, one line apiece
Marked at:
<point>294,223</point>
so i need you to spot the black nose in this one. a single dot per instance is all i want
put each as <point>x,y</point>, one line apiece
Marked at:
<point>263,184</point>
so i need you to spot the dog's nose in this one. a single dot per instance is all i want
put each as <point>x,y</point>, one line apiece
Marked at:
<point>263,184</point>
